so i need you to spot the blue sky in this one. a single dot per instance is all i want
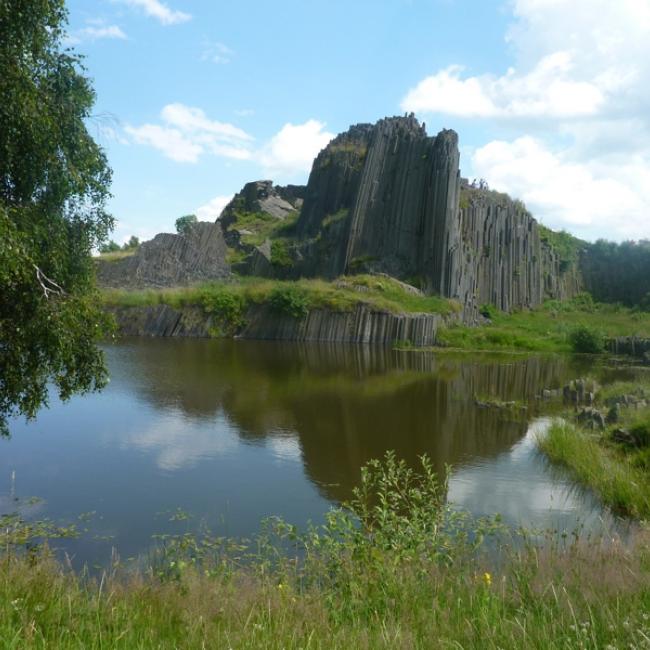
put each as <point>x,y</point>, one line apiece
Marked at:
<point>196,97</point>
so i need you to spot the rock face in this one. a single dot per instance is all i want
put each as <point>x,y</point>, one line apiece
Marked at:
<point>363,325</point>
<point>388,198</point>
<point>169,260</point>
<point>262,196</point>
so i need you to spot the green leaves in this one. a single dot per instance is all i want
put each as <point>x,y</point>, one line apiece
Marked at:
<point>54,182</point>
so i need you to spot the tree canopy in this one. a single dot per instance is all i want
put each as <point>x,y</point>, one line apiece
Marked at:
<point>184,223</point>
<point>54,183</point>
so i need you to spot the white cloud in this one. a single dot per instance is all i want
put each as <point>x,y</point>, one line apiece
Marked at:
<point>94,33</point>
<point>244,112</point>
<point>292,150</point>
<point>172,142</point>
<point>216,53</point>
<point>590,199</point>
<point>580,83</point>
<point>187,133</point>
<point>212,209</point>
<point>159,11</point>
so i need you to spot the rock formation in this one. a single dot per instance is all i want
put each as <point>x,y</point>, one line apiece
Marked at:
<point>382,198</point>
<point>168,260</point>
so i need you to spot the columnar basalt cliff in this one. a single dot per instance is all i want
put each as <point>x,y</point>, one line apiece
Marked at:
<point>388,198</point>
<point>381,198</point>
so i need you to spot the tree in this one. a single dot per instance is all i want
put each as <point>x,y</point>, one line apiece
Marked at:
<point>183,224</point>
<point>54,183</point>
<point>134,242</point>
<point>110,247</point>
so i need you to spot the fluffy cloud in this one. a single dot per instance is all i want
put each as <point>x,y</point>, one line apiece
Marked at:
<point>589,199</point>
<point>212,209</point>
<point>187,133</point>
<point>94,33</point>
<point>159,11</point>
<point>292,150</point>
<point>581,84</point>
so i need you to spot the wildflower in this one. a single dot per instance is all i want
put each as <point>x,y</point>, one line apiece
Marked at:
<point>487,578</point>
<point>281,586</point>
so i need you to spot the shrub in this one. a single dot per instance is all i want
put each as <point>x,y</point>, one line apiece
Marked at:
<point>227,308</point>
<point>587,340</point>
<point>280,255</point>
<point>488,311</point>
<point>290,300</point>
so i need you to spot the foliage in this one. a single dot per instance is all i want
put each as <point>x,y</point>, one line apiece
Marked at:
<point>488,311</point>
<point>185,223</point>
<point>54,182</point>
<point>110,247</point>
<point>564,244</point>
<point>227,307</point>
<point>397,567</point>
<point>133,243</point>
<point>600,465</point>
<point>280,255</point>
<point>290,300</point>
<point>379,292</point>
<point>547,328</point>
<point>588,340</point>
<point>618,272</point>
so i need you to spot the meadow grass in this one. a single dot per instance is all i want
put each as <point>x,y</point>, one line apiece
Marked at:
<point>547,328</point>
<point>615,466</point>
<point>394,568</point>
<point>379,292</point>
<point>602,465</point>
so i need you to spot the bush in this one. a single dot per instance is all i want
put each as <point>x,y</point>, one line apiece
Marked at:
<point>488,311</point>
<point>280,255</point>
<point>587,340</point>
<point>227,308</point>
<point>290,300</point>
<point>184,224</point>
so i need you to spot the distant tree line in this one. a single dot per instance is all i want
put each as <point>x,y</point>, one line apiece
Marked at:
<point>618,272</point>
<point>111,246</point>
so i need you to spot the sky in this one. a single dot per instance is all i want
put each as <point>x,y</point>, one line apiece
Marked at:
<point>550,98</point>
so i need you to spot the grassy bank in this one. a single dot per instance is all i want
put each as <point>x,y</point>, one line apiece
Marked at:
<point>549,327</point>
<point>396,569</point>
<point>380,292</point>
<point>615,461</point>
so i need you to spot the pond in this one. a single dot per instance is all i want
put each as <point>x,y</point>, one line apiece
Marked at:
<point>218,433</point>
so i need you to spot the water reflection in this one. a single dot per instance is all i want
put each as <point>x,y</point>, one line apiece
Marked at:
<point>233,431</point>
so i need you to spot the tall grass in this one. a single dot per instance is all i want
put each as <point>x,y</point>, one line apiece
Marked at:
<point>381,293</point>
<point>603,467</point>
<point>395,568</point>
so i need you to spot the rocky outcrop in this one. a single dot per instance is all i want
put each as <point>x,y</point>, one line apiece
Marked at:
<point>169,260</point>
<point>262,196</point>
<point>362,325</point>
<point>501,259</point>
<point>387,198</point>
<point>630,345</point>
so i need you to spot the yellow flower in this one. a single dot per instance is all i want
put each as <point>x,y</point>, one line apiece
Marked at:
<point>487,578</point>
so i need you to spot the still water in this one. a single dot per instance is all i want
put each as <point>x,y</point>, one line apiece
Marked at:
<point>234,431</point>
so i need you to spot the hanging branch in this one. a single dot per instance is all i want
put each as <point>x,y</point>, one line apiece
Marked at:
<point>49,286</point>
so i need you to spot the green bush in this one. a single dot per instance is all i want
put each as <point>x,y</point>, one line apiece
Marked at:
<point>280,255</point>
<point>488,311</point>
<point>227,308</point>
<point>290,300</point>
<point>587,340</point>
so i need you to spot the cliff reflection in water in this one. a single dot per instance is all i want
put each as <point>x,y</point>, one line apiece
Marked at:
<point>338,406</point>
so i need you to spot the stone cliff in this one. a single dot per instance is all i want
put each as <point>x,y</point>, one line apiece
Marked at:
<point>381,198</point>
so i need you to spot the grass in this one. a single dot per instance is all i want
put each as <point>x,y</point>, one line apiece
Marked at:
<point>615,466</point>
<point>263,226</point>
<point>394,568</point>
<point>380,293</point>
<point>548,328</point>
<point>116,255</point>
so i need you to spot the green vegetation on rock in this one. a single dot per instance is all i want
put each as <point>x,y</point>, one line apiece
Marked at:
<point>378,292</point>
<point>553,327</point>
